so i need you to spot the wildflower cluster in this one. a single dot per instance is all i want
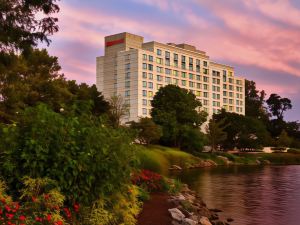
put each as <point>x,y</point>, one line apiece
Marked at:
<point>148,180</point>
<point>37,211</point>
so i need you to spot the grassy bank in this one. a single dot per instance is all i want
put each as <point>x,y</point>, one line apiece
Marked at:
<point>159,158</point>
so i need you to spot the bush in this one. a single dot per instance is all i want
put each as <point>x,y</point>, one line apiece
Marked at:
<point>85,157</point>
<point>294,151</point>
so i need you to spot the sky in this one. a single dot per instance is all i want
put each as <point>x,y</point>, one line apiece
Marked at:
<point>259,38</point>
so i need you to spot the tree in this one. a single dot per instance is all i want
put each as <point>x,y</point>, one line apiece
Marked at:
<point>147,131</point>
<point>36,79</point>
<point>118,109</point>
<point>215,134</point>
<point>174,107</point>
<point>284,140</point>
<point>278,105</point>
<point>24,23</point>
<point>254,101</point>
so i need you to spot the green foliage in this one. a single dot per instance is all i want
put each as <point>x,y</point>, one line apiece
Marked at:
<point>242,131</point>
<point>215,134</point>
<point>147,131</point>
<point>36,79</point>
<point>118,110</point>
<point>24,23</point>
<point>120,208</point>
<point>294,151</point>
<point>174,109</point>
<point>85,157</point>
<point>278,105</point>
<point>283,140</point>
<point>192,139</point>
<point>159,159</point>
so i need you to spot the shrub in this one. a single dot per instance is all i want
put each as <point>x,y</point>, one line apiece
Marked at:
<point>149,180</point>
<point>85,157</point>
<point>294,150</point>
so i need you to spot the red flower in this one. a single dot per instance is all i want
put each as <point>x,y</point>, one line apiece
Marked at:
<point>76,207</point>
<point>59,222</point>
<point>33,199</point>
<point>22,217</point>
<point>49,217</point>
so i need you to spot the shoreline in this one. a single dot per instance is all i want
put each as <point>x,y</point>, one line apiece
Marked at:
<point>186,208</point>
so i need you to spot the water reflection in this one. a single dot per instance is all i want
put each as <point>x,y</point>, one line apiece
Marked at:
<point>251,195</point>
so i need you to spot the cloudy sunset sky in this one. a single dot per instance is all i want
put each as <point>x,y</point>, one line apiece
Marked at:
<point>260,38</point>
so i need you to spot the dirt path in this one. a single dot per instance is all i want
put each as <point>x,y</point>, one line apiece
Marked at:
<point>155,211</point>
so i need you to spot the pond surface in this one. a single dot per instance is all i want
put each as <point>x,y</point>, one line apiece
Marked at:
<point>250,195</point>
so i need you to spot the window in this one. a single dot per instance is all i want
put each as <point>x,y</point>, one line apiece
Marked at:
<point>183,82</point>
<point>144,75</point>
<point>191,76</point>
<point>191,84</point>
<point>144,66</point>
<point>144,57</point>
<point>224,72</point>
<point>183,74</point>
<point>144,93</point>
<point>150,94</point>
<point>150,76</point>
<point>144,111</point>
<point>190,60</point>
<point>198,93</point>
<point>225,93</point>
<point>167,62</point>
<point>127,75</point>
<point>127,66</point>
<point>167,55</point>
<point>150,67</point>
<point>175,57</point>
<point>127,84</point>
<point>230,80</point>
<point>205,102</point>
<point>224,79</point>
<point>127,93</point>
<point>159,69</point>
<point>144,84</point>
<point>205,86</point>
<point>205,71</point>
<point>230,87</point>
<point>150,85</point>
<point>168,71</point>
<point>175,73</point>
<point>199,86</point>
<point>205,94</point>
<point>175,81</point>
<point>198,77</point>
<point>224,86</point>
<point>231,94</point>
<point>144,102</point>
<point>225,100</point>
<point>183,58</point>
<point>150,58</point>
<point>158,51</point>
<point>159,60</point>
<point>205,79</point>
<point>159,78</point>
<point>230,101</point>
<point>168,80</point>
<point>205,63</point>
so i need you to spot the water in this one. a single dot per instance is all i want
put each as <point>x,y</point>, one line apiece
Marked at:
<point>251,195</point>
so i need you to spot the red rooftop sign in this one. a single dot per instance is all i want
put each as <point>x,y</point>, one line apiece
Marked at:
<point>111,43</point>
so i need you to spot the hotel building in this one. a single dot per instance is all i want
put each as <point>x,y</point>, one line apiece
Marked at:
<point>136,70</point>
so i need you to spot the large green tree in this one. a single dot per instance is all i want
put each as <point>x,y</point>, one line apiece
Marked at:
<point>25,23</point>
<point>215,133</point>
<point>254,101</point>
<point>278,105</point>
<point>174,108</point>
<point>37,78</point>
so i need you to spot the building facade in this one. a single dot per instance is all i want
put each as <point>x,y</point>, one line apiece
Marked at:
<point>136,70</point>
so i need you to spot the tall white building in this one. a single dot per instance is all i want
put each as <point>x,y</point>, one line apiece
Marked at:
<point>136,70</point>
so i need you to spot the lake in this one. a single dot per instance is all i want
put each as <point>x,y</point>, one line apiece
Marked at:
<point>251,195</point>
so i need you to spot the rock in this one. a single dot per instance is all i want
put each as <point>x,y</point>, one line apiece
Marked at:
<point>175,167</point>
<point>230,219</point>
<point>180,197</point>
<point>204,221</point>
<point>176,214</point>
<point>266,162</point>
<point>214,217</point>
<point>174,222</point>
<point>190,198</point>
<point>188,221</point>
<point>225,159</point>
<point>220,223</point>
<point>216,210</point>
